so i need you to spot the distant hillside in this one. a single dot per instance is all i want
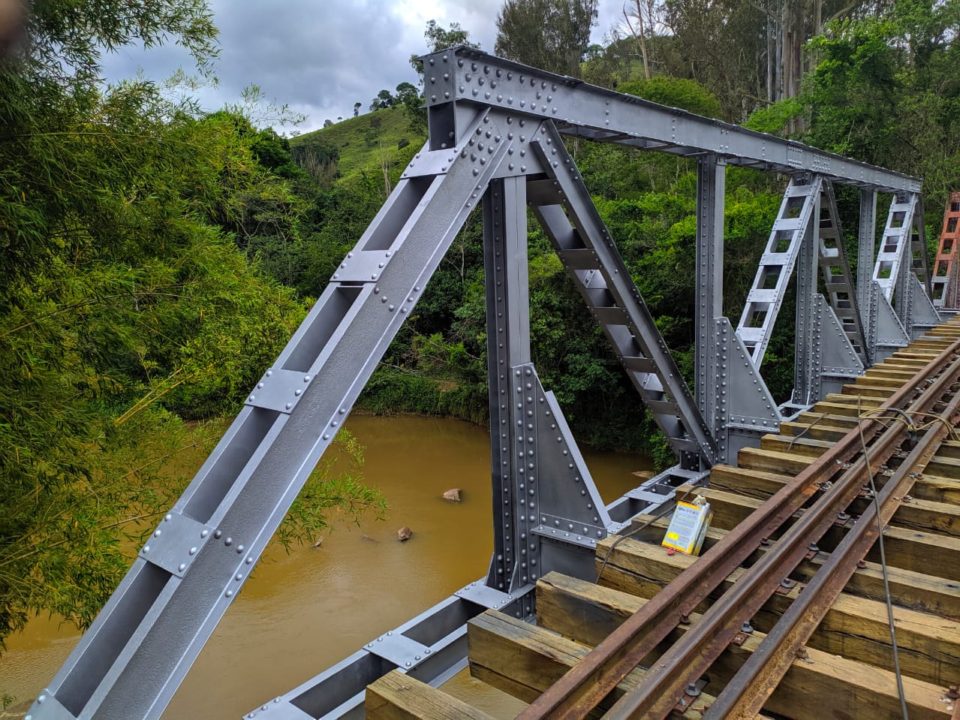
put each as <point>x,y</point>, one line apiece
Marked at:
<point>367,141</point>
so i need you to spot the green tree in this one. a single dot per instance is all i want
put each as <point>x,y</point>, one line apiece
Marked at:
<point>549,34</point>
<point>440,38</point>
<point>126,304</point>
<point>383,100</point>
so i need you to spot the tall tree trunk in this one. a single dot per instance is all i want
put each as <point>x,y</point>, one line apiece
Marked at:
<point>640,36</point>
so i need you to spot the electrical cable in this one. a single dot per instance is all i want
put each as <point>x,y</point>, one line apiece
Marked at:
<point>883,566</point>
<point>639,528</point>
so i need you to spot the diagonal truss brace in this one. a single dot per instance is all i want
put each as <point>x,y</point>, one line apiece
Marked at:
<point>566,211</point>
<point>895,243</point>
<point>885,333</point>
<point>835,270</point>
<point>131,660</point>
<point>793,224</point>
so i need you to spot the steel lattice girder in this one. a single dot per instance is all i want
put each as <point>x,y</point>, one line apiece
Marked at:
<point>136,653</point>
<point>463,75</point>
<point>143,642</point>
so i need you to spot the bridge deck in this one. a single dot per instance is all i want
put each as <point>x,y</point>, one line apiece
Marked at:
<point>845,667</point>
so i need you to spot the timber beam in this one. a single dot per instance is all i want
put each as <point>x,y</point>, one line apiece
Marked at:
<point>855,627</point>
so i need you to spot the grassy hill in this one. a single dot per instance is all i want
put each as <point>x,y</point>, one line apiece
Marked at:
<point>367,141</point>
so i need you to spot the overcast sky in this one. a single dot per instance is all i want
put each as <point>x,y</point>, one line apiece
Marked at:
<point>321,56</point>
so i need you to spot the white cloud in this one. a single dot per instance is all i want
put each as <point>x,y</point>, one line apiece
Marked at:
<point>321,56</point>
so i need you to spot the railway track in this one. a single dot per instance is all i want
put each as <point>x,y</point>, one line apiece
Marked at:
<point>786,612</point>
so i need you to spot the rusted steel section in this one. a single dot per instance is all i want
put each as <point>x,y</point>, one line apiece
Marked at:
<point>579,691</point>
<point>746,693</point>
<point>946,266</point>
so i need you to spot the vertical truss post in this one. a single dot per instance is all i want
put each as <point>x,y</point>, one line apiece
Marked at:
<point>547,512</point>
<point>508,348</point>
<point>866,242</point>
<point>711,185</point>
<point>946,269</point>
<point>807,342</point>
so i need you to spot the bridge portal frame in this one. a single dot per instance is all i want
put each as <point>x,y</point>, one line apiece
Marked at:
<point>495,130</point>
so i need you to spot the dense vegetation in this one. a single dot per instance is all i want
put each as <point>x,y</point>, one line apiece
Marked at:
<point>155,257</point>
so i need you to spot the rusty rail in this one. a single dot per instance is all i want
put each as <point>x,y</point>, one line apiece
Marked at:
<point>749,689</point>
<point>579,691</point>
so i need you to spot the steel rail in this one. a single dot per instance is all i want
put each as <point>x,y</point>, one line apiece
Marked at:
<point>579,691</point>
<point>694,653</point>
<point>745,694</point>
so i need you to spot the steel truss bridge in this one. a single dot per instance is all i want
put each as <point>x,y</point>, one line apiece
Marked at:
<point>496,143</point>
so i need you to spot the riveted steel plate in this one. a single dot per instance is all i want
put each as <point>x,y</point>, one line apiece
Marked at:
<point>482,594</point>
<point>398,649</point>
<point>175,543</point>
<point>362,266</point>
<point>279,390</point>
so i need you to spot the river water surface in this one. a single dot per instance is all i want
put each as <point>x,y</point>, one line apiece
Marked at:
<point>305,610</point>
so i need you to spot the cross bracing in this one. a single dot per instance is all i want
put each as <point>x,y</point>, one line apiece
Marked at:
<point>496,143</point>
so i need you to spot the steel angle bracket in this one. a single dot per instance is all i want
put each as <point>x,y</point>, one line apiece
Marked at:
<point>570,506</point>
<point>584,245</point>
<point>745,408</point>
<point>836,361</point>
<point>925,314</point>
<point>136,653</point>
<point>885,332</point>
<point>547,487</point>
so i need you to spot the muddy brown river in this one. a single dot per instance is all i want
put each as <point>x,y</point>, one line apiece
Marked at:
<point>304,610</point>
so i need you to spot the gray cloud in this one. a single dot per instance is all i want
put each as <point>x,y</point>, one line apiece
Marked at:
<point>320,56</point>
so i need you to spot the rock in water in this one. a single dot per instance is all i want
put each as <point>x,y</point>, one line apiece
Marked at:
<point>453,495</point>
<point>404,534</point>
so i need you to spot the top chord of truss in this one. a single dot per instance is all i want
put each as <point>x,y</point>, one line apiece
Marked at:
<point>578,108</point>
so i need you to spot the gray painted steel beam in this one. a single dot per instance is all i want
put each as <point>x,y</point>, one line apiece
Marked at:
<point>461,76</point>
<point>805,381</point>
<point>711,187</point>
<point>866,245</point>
<point>797,214</point>
<point>587,250</point>
<point>131,660</point>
